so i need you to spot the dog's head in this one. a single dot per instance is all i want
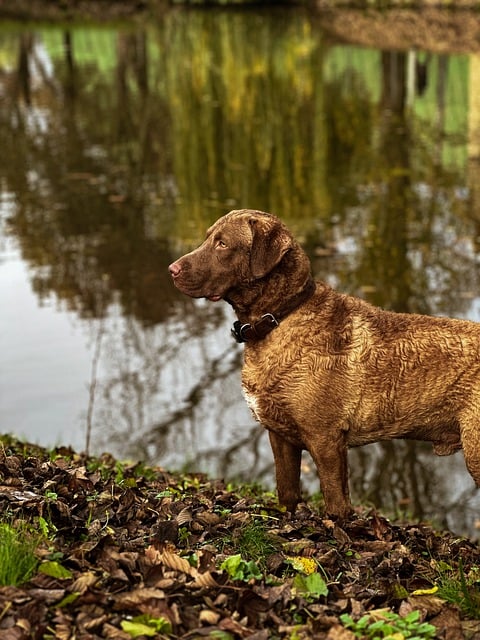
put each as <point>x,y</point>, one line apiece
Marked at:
<point>240,248</point>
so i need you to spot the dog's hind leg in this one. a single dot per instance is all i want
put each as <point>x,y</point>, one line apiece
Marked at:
<point>470,435</point>
<point>287,458</point>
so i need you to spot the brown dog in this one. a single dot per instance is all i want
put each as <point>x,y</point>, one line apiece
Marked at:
<point>325,371</point>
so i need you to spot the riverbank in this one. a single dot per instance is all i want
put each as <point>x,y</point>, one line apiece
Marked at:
<point>130,551</point>
<point>438,27</point>
<point>426,28</point>
<point>105,9</point>
<point>51,10</point>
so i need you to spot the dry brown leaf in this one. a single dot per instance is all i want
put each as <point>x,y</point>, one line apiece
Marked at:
<point>380,526</point>
<point>63,632</point>
<point>164,583</point>
<point>24,624</point>
<point>471,628</point>
<point>279,593</point>
<point>152,556</point>
<point>378,614</point>
<point>49,595</point>
<point>110,631</point>
<point>357,608</point>
<point>430,604</point>
<point>221,600</point>
<point>240,517</point>
<point>205,580</point>
<point>328,524</point>
<point>337,632</point>
<point>341,536</point>
<point>208,518</point>
<point>175,614</point>
<point>184,516</point>
<point>138,596</point>
<point>174,561</point>
<point>77,472</point>
<point>20,496</point>
<point>448,623</point>
<point>91,618</point>
<point>209,617</point>
<point>228,624</point>
<point>83,582</point>
<point>14,633</point>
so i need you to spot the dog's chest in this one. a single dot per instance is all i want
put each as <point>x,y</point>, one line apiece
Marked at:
<point>272,414</point>
<point>264,397</point>
<point>267,382</point>
<point>253,402</point>
<point>261,381</point>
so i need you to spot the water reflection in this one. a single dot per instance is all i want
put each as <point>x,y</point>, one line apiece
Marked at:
<point>122,144</point>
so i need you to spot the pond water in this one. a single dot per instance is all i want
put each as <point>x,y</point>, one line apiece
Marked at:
<point>121,143</point>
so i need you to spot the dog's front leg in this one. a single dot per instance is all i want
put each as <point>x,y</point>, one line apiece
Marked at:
<point>330,457</point>
<point>287,470</point>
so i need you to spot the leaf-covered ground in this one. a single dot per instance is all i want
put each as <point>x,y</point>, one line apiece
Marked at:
<point>129,551</point>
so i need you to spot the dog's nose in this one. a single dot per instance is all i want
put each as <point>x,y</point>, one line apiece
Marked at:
<point>174,269</point>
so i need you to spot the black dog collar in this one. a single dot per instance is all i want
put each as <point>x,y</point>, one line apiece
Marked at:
<point>256,330</point>
<point>247,332</point>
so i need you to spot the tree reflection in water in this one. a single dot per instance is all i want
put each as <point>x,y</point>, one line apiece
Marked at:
<point>122,144</point>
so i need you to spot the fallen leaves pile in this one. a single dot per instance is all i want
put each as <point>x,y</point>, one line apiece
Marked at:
<point>134,552</point>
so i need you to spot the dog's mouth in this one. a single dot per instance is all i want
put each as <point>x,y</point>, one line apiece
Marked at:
<point>194,292</point>
<point>193,289</point>
<point>213,297</point>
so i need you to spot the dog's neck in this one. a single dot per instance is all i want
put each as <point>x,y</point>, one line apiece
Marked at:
<point>266,302</point>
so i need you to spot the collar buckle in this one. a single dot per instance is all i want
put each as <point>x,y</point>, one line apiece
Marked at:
<point>244,332</point>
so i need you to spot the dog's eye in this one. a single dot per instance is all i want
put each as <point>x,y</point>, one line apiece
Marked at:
<point>221,244</point>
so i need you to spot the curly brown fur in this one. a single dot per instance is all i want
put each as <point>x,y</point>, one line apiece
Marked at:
<point>336,372</point>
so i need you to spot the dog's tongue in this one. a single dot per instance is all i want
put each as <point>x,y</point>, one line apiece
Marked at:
<point>214,298</point>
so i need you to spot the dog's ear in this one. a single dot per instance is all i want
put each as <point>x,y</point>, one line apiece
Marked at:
<point>270,242</point>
